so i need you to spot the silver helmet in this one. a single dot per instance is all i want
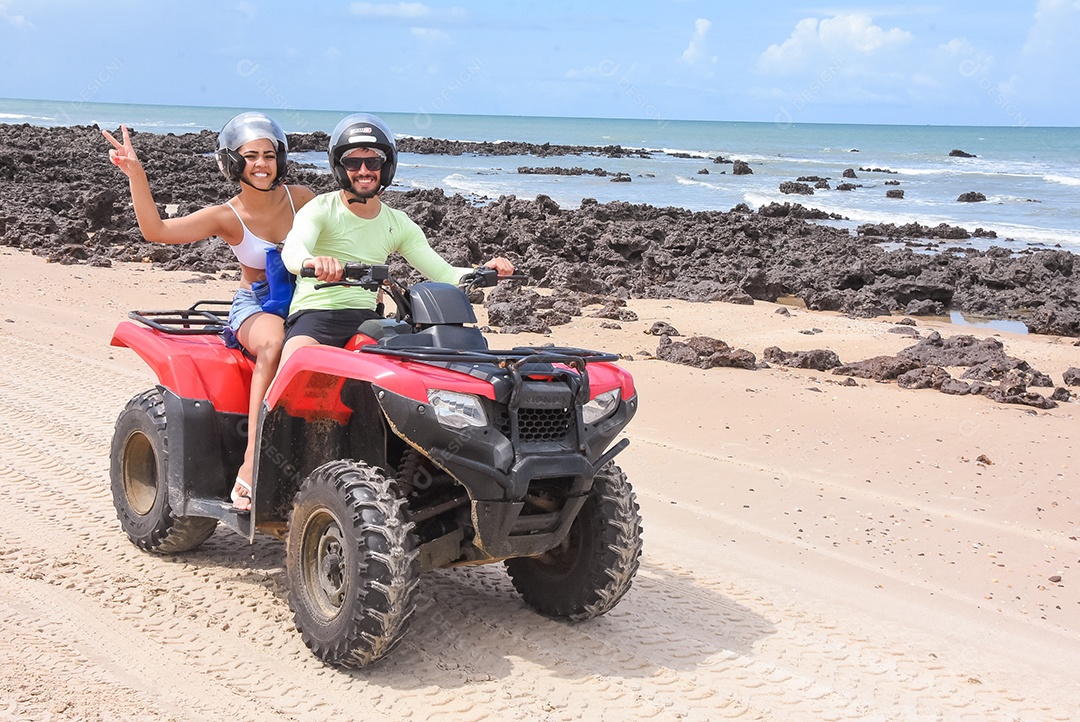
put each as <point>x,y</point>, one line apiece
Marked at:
<point>245,128</point>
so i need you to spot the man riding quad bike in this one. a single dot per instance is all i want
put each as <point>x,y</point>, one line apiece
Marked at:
<point>414,448</point>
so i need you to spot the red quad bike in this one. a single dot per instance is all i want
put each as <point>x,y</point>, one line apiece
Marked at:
<point>414,448</point>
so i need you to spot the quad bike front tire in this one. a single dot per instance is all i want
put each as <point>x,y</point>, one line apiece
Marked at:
<point>352,565</point>
<point>593,568</point>
<point>139,472</point>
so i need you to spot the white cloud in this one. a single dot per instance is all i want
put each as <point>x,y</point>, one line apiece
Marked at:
<point>407,11</point>
<point>247,10</point>
<point>18,21</point>
<point>696,52</point>
<point>850,60</point>
<point>429,34</point>
<point>1046,66</point>
<point>815,41</point>
<point>1054,28</point>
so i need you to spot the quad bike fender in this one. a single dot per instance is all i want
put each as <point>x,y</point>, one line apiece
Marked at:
<point>205,449</point>
<point>605,376</point>
<point>192,367</point>
<point>309,385</point>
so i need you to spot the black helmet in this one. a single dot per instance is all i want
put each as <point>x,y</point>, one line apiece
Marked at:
<point>245,128</point>
<point>362,130</point>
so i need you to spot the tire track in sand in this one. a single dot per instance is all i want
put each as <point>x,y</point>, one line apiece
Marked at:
<point>682,645</point>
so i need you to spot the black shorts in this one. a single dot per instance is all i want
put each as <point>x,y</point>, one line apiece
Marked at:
<point>330,328</point>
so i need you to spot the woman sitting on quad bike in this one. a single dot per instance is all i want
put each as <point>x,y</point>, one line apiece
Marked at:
<point>253,151</point>
<point>353,225</point>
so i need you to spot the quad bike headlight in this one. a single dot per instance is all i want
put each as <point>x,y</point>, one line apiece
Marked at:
<point>603,405</point>
<point>455,410</point>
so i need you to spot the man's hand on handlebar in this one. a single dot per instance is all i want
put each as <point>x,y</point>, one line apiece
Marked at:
<point>502,265</point>
<point>484,277</point>
<point>352,273</point>
<point>325,268</point>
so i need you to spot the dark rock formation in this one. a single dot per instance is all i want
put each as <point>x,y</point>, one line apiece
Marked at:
<point>1061,395</point>
<point>528,170</point>
<point>971,197</point>
<point>435,146</point>
<point>704,353</point>
<point>924,366</point>
<point>912,230</point>
<point>663,328</point>
<point>817,359</point>
<point>61,199</point>
<point>956,153</point>
<point>788,187</point>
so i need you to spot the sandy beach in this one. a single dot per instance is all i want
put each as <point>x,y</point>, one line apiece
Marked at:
<point>813,550</point>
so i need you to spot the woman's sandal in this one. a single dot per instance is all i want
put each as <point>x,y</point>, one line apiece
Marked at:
<point>241,490</point>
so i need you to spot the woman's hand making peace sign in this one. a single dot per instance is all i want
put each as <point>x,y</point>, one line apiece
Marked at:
<point>123,154</point>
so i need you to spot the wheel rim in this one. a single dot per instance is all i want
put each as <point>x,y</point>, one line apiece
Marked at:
<point>566,555</point>
<point>140,473</point>
<point>325,560</point>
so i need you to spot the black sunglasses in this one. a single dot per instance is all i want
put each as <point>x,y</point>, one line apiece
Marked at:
<point>373,163</point>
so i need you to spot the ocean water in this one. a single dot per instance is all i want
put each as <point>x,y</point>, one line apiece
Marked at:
<point>1030,176</point>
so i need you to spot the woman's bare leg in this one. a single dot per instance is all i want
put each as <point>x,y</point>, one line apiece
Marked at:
<point>262,335</point>
<point>294,343</point>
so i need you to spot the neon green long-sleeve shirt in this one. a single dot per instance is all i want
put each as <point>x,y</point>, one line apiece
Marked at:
<point>325,227</point>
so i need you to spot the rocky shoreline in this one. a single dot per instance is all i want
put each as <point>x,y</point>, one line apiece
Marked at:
<point>61,199</point>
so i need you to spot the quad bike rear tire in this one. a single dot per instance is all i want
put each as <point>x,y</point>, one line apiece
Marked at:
<point>351,563</point>
<point>139,472</point>
<point>593,568</point>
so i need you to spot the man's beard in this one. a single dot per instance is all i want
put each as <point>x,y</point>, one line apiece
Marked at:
<point>365,194</point>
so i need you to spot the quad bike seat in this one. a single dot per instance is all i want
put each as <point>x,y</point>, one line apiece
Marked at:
<point>395,334</point>
<point>380,328</point>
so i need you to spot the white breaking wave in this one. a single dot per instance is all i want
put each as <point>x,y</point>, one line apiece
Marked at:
<point>683,151</point>
<point>682,180</point>
<point>474,185</point>
<point>1062,179</point>
<point>1067,239</point>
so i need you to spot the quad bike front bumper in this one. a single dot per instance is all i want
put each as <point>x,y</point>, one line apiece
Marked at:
<point>498,471</point>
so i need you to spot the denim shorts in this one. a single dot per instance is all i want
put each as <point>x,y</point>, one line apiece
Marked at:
<point>246,303</point>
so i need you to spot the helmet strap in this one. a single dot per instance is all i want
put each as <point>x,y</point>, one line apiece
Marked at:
<point>359,198</point>
<point>273,186</point>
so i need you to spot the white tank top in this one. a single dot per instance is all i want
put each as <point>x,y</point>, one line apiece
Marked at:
<point>251,250</point>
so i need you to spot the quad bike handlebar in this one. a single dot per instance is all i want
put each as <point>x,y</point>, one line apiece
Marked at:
<point>377,278</point>
<point>354,274</point>
<point>484,277</point>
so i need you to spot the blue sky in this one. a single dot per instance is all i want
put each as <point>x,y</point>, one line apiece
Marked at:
<point>991,62</point>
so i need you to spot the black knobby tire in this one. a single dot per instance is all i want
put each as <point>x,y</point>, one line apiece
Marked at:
<point>593,568</point>
<point>139,471</point>
<point>352,565</point>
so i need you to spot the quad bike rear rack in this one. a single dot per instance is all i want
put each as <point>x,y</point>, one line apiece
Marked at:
<point>202,317</point>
